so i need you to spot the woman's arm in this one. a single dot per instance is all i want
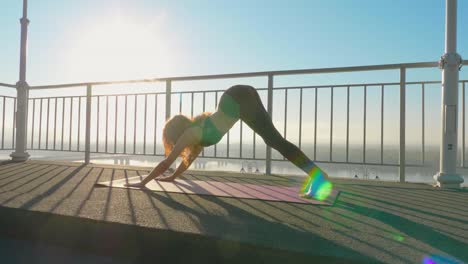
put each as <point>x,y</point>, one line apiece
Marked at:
<point>184,165</point>
<point>187,138</point>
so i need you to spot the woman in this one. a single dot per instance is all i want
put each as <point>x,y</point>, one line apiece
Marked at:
<point>186,138</point>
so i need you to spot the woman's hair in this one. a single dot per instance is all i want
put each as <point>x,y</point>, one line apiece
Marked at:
<point>173,130</point>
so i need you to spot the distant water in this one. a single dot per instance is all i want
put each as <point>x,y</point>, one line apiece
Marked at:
<point>384,173</point>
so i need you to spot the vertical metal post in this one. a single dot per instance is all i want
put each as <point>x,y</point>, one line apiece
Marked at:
<point>315,124</point>
<point>168,99</point>
<point>71,124</point>
<point>382,102</point>
<point>98,113</point>
<point>402,123</point>
<point>116,119</point>
<point>22,88</point>
<point>125,126</point>
<point>47,126</point>
<point>63,122</point>
<point>14,124</point>
<point>463,128</point>
<point>144,127</point>
<point>40,123</point>
<point>423,117</point>
<point>215,146</point>
<point>155,121</point>
<point>3,124</point>
<point>450,65</point>
<point>107,122</point>
<point>347,124</point>
<point>300,118</point>
<point>55,122</point>
<point>270,112</point>
<point>364,135</point>
<point>331,125</point>
<point>88,125</point>
<point>79,124</point>
<point>135,125</point>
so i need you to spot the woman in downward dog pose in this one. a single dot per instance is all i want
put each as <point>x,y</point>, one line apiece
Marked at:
<point>186,138</point>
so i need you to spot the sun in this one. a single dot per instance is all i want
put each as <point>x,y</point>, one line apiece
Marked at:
<point>118,47</point>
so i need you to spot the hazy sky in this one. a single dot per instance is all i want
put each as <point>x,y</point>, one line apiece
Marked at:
<point>88,40</point>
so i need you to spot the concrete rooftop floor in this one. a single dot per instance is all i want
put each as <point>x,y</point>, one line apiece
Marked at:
<point>371,221</point>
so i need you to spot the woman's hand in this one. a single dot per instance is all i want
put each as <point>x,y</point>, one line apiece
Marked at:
<point>136,185</point>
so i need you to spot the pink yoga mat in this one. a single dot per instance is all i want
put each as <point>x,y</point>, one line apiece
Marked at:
<point>225,189</point>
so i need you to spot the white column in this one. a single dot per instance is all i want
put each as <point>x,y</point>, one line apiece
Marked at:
<point>22,87</point>
<point>449,63</point>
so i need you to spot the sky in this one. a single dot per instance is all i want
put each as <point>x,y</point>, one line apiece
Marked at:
<point>91,40</point>
<point>101,40</point>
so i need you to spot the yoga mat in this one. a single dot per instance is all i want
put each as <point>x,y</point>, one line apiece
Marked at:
<point>225,189</point>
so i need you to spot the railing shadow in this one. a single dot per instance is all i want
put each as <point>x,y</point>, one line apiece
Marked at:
<point>23,179</point>
<point>299,228</point>
<point>31,202</point>
<point>413,229</point>
<point>407,203</point>
<point>244,222</point>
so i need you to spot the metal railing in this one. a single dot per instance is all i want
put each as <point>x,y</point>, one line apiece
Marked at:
<point>85,116</point>
<point>7,119</point>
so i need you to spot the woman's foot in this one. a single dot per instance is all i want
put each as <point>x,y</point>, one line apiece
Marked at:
<point>317,185</point>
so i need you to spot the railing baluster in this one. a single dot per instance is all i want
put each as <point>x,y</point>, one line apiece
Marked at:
<point>168,99</point>
<point>331,125</point>
<point>55,122</point>
<point>241,135</point>
<point>285,112</point>
<point>116,122</point>
<point>97,122</point>
<point>47,126</point>
<point>79,123</point>
<point>3,124</point>
<point>180,103</point>
<point>300,118</point>
<point>402,156</point>
<point>63,121</point>
<point>125,126</point>
<point>155,120</point>
<point>381,124</point>
<point>347,124</point>
<point>216,145</point>
<point>107,123</point>
<point>365,125</point>
<point>315,126</point>
<point>88,125</point>
<point>32,121</point>
<point>270,112</point>
<point>240,144</point>
<point>71,123</point>
<point>135,125</point>
<point>463,127</point>
<point>204,99</point>
<point>40,124</point>
<point>191,110</point>
<point>423,123</point>
<point>144,127</point>
<point>14,124</point>
<point>227,142</point>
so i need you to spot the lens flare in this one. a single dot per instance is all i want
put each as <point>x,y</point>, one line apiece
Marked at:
<point>438,259</point>
<point>398,238</point>
<point>316,186</point>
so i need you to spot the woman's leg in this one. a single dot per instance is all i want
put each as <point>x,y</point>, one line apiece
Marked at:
<point>254,114</point>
